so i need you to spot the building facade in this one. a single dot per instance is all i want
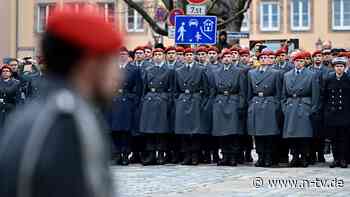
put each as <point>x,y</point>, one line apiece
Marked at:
<point>309,21</point>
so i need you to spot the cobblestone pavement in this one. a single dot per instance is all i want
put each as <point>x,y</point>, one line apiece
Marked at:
<point>244,180</point>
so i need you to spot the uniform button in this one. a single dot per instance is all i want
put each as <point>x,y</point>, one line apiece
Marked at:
<point>149,98</point>
<point>184,100</point>
<point>151,83</point>
<point>256,86</point>
<point>333,103</point>
<point>123,99</point>
<point>161,83</point>
<point>340,90</point>
<point>220,102</point>
<point>256,102</point>
<point>340,108</point>
<point>340,96</point>
<point>332,96</point>
<point>340,102</point>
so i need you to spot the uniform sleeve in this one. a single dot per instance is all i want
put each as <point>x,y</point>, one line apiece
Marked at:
<point>315,93</point>
<point>249,88</point>
<point>60,169</point>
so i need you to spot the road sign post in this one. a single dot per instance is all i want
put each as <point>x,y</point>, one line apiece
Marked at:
<point>195,29</point>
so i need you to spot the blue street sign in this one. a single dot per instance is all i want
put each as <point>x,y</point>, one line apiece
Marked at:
<point>195,29</point>
<point>237,35</point>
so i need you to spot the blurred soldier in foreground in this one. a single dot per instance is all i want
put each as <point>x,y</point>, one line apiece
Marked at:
<point>55,146</point>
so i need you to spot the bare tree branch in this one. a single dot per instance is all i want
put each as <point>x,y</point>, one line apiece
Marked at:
<point>147,17</point>
<point>167,4</point>
<point>229,20</point>
<point>212,6</point>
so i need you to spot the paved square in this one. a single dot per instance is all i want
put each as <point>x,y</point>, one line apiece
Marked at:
<point>244,180</point>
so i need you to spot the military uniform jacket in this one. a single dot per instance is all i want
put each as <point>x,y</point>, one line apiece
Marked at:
<point>121,116</point>
<point>9,98</point>
<point>155,113</point>
<point>229,101</point>
<point>141,66</point>
<point>337,101</point>
<point>301,94</point>
<point>207,109</point>
<point>55,146</point>
<point>285,67</point>
<point>264,93</point>
<point>191,91</point>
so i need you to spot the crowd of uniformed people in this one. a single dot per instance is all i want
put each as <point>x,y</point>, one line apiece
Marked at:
<point>204,105</point>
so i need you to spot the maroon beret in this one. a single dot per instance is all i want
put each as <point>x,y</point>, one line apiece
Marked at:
<point>6,67</point>
<point>123,49</point>
<point>158,50</point>
<point>225,52</point>
<point>202,49</point>
<point>147,47</point>
<point>234,49</point>
<point>244,51</point>
<point>139,48</point>
<point>316,52</point>
<point>171,48</point>
<point>213,48</point>
<point>299,55</point>
<point>189,50</point>
<point>280,51</point>
<point>180,49</point>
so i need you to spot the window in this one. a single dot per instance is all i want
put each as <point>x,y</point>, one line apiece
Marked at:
<point>246,22</point>
<point>43,12</point>
<point>134,21</point>
<point>341,14</point>
<point>107,10</point>
<point>269,16</point>
<point>300,15</point>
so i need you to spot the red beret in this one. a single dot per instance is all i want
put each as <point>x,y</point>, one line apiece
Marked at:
<point>6,67</point>
<point>202,49</point>
<point>234,49</point>
<point>158,50</point>
<point>299,55</point>
<point>213,48</point>
<point>266,52</point>
<point>180,49</point>
<point>85,29</point>
<point>123,49</point>
<point>280,51</point>
<point>343,54</point>
<point>171,48</point>
<point>244,51</point>
<point>225,52</point>
<point>307,54</point>
<point>147,47</point>
<point>189,50</point>
<point>316,52</point>
<point>139,48</point>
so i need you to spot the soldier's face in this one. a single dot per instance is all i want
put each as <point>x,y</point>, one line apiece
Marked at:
<point>299,63</point>
<point>139,55</point>
<point>283,57</point>
<point>327,57</point>
<point>265,60</point>
<point>14,66</point>
<point>158,57</point>
<point>235,56</point>
<point>202,57</point>
<point>189,58</point>
<point>124,57</point>
<point>6,73</point>
<point>180,56</point>
<point>213,56</point>
<point>318,58</point>
<point>273,59</point>
<point>227,59</point>
<point>339,69</point>
<point>148,54</point>
<point>171,56</point>
<point>245,58</point>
